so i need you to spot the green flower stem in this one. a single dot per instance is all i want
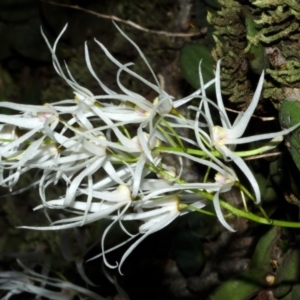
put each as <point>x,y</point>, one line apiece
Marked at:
<point>235,211</point>
<point>6,140</point>
<point>215,153</point>
<point>126,132</point>
<point>122,159</point>
<point>168,137</point>
<point>244,201</point>
<point>249,215</point>
<point>258,219</point>
<point>206,174</point>
<point>182,206</point>
<point>243,189</point>
<point>176,113</point>
<point>205,141</point>
<point>263,212</point>
<point>187,150</point>
<point>179,140</point>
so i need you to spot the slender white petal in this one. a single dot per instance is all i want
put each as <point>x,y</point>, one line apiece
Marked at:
<point>239,128</point>
<point>219,213</point>
<point>224,119</point>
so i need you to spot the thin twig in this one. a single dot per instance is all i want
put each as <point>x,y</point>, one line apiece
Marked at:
<point>128,22</point>
<point>254,116</point>
<point>263,155</point>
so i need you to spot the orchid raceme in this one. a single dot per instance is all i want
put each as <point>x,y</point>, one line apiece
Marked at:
<point>29,281</point>
<point>119,157</point>
<point>155,215</point>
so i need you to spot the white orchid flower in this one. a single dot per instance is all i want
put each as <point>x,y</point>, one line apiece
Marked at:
<point>22,138</point>
<point>28,281</point>
<point>160,214</point>
<point>225,138</point>
<point>159,206</point>
<point>110,202</point>
<point>163,212</point>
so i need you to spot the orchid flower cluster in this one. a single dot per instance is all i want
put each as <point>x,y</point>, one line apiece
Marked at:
<point>108,151</point>
<point>41,285</point>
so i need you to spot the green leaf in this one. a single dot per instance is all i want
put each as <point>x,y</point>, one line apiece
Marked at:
<point>190,57</point>
<point>287,273</point>
<point>242,287</point>
<point>289,115</point>
<point>248,284</point>
<point>264,250</point>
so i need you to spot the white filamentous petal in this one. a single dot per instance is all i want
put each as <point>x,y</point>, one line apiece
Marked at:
<point>140,53</point>
<point>90,67</point>
<point>220,214</point>
<point>22,122</point>
<point>41,285</point>
<point>116,62</point>
<point>124,89</point>
<point>224,118</point>
<point>265,136</point>
<point>155,226</point>
<point>138,175</point>
<point>240,128</point>
<point>248,173</point>
<point>92,167</point>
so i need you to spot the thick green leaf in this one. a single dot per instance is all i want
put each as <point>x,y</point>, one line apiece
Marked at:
<point>242,287</point>
<point>264,250</point>
<point>287,273</point>
<point>248,284</point>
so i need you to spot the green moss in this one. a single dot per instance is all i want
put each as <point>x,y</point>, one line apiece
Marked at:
<point>252,36</point>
